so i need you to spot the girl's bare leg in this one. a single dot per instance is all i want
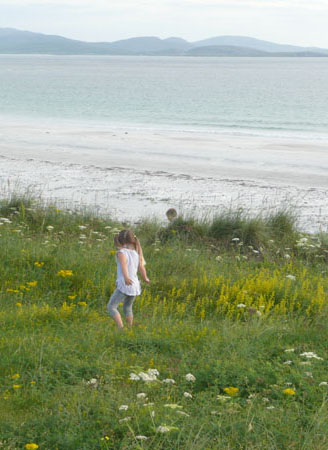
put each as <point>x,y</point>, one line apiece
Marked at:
<point>118,320</point>
<point>129,320</point>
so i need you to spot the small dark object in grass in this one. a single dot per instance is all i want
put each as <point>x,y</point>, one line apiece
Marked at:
<point>171,214</point>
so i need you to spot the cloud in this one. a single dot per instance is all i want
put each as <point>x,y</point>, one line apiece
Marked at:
<point>172,4</point>
<point>216,4</point>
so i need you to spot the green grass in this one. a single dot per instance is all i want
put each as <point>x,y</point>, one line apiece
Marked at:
<point>56,337</point>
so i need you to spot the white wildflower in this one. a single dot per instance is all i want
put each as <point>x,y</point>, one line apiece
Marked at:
<point>218,258</point>
<point>289,350</point>
<point>50,227</point>
<point>187,395</point>
<point>153,372</point>
<point>82,227</point>
<point>310,355</point>
<point>287,256</point>
<point>141,395</point>
<point>235,239</point>
<point>92,382</point>
<point>141,438</point>
<point>241,305</point>
<point>291,277</point>
<point>147,376</point>
<point>148,404</point>
<point>190,377</point>
<point>162,429</point>
<point>270,407</point>
<point>126,419</point>
<point>169,381</point>
<point>134,377</point>
<point>123,408</point>
<point>288,363</point>
<point>323,383</point>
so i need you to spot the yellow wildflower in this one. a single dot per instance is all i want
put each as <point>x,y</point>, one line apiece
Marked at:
<point>32,383</point>
<point>112,252</point>
<point>17,386</point>
<point>22,287</point>
<point>31,446</point>
<point>65,273</point>
<point>289,391</point>
<point>71,297</point>
<point>174,231</point>
<point>58,210</point>
<point>232,391</point>
<point>12,290</point>
<point>18,304</point>
<point>39,264</point>
<point>15,377</point>
<point>32,283</point>
<point>82,303</point>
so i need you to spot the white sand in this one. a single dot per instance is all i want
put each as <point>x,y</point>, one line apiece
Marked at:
<point>131,173</point>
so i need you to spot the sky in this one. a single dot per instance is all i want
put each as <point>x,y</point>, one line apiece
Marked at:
<point>298,22</point>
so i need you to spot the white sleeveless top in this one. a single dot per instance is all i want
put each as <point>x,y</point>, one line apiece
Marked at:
<point>132,261</point>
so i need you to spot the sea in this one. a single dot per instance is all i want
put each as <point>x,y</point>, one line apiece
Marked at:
<point>284,97</point>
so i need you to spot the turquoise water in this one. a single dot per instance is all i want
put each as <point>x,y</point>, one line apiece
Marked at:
<point>272,96</point>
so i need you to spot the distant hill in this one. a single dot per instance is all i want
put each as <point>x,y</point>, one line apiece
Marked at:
<point>249,42</point>
<point>231,50</point>
<point>14,41</point>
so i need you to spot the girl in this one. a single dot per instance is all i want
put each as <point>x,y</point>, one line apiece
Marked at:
<point>129,260</point>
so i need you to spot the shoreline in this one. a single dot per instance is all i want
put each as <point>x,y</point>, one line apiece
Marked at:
<point>132,174</point>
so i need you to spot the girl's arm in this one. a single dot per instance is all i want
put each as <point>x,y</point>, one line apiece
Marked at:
<point>122,259</point>
<point>143,273</point>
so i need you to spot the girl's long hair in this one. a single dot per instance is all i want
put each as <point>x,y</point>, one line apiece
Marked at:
<point>127,237</point>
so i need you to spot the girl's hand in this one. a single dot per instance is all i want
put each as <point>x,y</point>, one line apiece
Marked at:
<point>128,281</point>
<point>146,280</point>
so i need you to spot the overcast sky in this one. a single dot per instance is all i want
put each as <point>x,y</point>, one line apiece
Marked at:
<point>300,22</point>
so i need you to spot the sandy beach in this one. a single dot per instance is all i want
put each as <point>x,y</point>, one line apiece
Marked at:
<point>135,173</point>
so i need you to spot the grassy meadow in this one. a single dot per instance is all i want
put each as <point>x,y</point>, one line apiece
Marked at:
<point>228,351</point>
